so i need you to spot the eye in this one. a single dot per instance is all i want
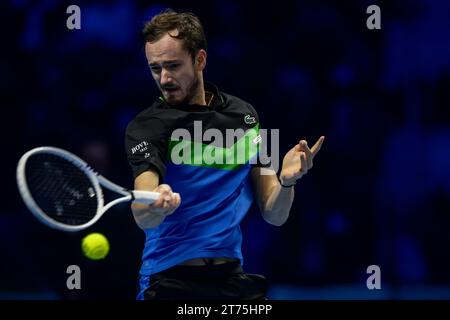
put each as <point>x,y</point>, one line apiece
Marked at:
<point>155,69</point>
<point>173,66</point>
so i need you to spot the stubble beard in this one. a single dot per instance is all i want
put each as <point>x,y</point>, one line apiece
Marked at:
<point>191,92</point>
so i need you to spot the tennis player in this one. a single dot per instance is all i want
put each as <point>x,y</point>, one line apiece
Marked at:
<point>193,242</point>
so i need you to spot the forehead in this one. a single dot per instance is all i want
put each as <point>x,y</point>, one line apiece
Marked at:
<point>166,48</point>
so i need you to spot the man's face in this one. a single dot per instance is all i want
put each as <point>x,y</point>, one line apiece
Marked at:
<point>172,68</point>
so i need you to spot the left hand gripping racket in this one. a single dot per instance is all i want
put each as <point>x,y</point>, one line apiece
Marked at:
<point>64,193</point>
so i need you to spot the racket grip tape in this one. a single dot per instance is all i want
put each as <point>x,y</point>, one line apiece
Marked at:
<point>145,197</point>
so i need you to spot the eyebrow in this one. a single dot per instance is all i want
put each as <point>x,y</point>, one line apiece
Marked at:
<point>154,64</point>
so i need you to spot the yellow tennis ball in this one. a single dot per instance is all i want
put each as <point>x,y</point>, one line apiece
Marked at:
<point>95,246</point>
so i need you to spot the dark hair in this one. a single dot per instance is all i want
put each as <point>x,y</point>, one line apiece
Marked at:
<point>189,28</point>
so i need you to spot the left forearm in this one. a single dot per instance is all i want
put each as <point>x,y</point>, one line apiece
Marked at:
<point>274,200</point>
<point>277,207</point>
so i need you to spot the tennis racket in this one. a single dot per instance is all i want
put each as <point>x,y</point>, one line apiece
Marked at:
<point>64,193</point>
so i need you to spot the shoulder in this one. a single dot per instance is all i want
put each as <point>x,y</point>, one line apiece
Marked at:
<point>242,107</point>
<point>238,103</point>
<point>148,119</point>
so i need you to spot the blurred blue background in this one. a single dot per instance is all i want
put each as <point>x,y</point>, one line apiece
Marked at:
<point>379,192</point>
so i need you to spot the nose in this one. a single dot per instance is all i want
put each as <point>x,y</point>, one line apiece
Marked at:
<point>165,76</point>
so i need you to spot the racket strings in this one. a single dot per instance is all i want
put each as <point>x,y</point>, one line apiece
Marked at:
<point>61,189</point>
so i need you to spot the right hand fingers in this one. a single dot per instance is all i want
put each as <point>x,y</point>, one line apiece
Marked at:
<point>168,201</point>
<point>173,203</point>
<point>165,195</point>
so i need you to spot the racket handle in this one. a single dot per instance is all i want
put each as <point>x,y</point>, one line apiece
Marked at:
<point>145,197</point>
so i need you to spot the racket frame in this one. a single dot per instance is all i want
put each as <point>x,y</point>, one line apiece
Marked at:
<point>96,179</point>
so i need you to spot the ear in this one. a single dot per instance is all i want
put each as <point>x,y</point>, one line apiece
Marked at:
<point>200,60</point>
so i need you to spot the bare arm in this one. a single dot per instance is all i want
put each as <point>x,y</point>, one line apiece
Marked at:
<point>151,216</point>
<point>273,200</point>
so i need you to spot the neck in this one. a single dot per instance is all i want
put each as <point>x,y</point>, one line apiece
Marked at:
<point>199,97</point>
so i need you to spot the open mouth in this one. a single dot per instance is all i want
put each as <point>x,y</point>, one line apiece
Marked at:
<point>170,90</point>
